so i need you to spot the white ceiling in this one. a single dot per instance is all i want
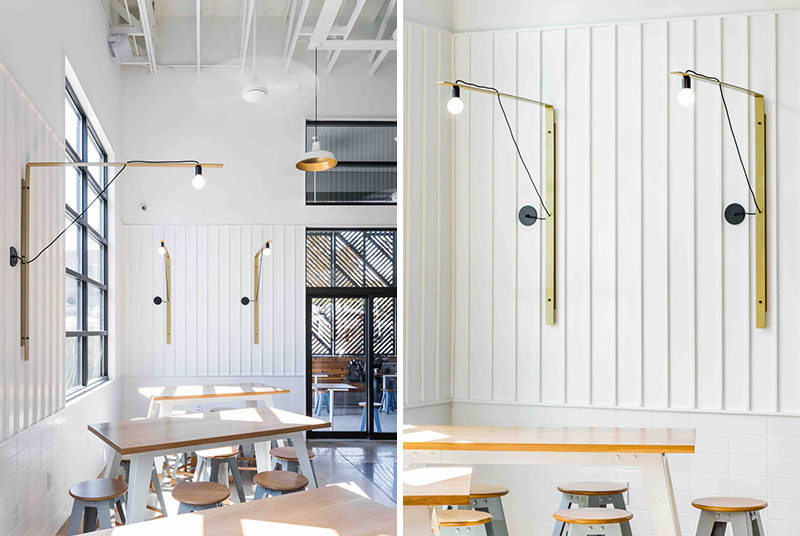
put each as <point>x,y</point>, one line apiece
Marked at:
<point>265,8</point>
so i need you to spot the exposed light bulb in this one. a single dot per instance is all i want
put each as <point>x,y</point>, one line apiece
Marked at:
<point>686,95</point>
<point>455,105</point>
<point>266,252</point>
<point>162,250</point>
<point>199,182</point>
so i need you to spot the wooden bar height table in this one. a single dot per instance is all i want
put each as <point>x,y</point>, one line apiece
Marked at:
<point>645,448</point>
<point>144,439</point>
<point>164,398</point>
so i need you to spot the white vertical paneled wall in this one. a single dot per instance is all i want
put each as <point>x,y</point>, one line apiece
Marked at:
<point>32,390</point>
<point>212,332</point>
<point>655,290</point>
<point>428,234</point>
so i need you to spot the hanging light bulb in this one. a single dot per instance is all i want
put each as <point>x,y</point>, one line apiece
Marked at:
<point>199,182</point>
<point>686,94</point>
<point>455,105</point>
<point>266,252</point>
<point>316,159</point>
<point>162,250</point>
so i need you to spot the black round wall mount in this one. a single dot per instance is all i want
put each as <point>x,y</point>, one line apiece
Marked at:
<point>245,300</point>
<point>735,213</point>
<point>528,215</point>
<point>157,300</point>
<point>14,256</point>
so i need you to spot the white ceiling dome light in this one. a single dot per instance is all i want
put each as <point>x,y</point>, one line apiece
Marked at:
<point>255,90</point>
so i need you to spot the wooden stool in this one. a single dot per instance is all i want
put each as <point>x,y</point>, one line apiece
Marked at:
<point>592,495</point>
<point>219,458</point>
<point>286,458</point>
<point>594,521</point>
<point>742,513</point>
<point>199,495</point>
<point>94,500</point>
<point>155,483</point>
<point>375,416</point>
<point>486,498</point>
<point>274,483</point>
<point>452,521</point>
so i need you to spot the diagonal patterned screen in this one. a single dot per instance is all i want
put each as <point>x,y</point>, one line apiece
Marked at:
<point>351,258</point>
<point>383,326</point>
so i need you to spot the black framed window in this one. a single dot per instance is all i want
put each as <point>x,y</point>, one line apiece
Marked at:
<point>366,173</point>
<point>86,245</point>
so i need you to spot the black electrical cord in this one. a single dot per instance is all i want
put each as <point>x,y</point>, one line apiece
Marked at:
<point>511,132</point>
<point>79,216</point>
<point>733,135</point>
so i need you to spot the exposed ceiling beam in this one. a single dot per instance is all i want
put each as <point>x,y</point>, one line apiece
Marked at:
<point>248,25</point>
<point>325,21</point>
<point>379,11</point>
<point>126,30</point>
<point>124,13</point>
<point>198,16</point>
<point>294,33</point>
<point>138,60</point>
<point>382,56</point>
<point>336,31</point>
<point>359,44</point>
<point>288,12</point>
<point>349,28</point>
<point>148,17</point>
<point>387,15</point>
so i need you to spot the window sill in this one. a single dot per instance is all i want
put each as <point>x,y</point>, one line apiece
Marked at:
<point>83,392</point>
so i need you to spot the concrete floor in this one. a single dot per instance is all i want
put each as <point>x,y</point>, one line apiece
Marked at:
<point>348,419</point>
<point>371,465</point>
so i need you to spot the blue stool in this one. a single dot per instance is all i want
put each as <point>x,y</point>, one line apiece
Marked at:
<point>323,399</point>
<point>389,401</point>
<point>375,415</point>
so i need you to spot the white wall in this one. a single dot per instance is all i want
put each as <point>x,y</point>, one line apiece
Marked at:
<point>179,114</point>
<point>212,332</point>
<point>428,238</point>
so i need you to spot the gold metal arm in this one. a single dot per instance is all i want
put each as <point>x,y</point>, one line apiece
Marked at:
<point>25,230</point>
<point>168,276</point>
<point>760,191</point>
<point>257,287</point>
<point>550,193</point>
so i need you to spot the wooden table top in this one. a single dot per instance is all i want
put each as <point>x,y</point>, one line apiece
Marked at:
<point>548,439</point>
<point>334,386</point>
<point>178,431</point>
<point>337,510</point>
<point>433,486</point>
<point>189,392</point>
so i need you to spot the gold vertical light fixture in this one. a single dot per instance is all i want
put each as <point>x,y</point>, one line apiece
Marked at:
<point>164,252</point>
<point>735,213</point>
<point>316,159</point>
<point>528,215</point>
<point>22,256</point>
<point>258,262</point>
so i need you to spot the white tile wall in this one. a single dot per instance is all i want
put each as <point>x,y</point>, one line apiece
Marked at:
<point>749,455</point>
<point>62,446</point>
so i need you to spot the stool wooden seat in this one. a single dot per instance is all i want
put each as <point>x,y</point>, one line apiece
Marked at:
<point>274,483</point>
<point>486,491</point>
<point>213,466</point>
<point>593,488</point>
<point>94,500</point>
<point>590,495</point>
<point>741,512</point>
<point>462,518</point>
<point>729,504</point>
<point>285,458</point>
<point>194,496</point>
<point>594,521</point>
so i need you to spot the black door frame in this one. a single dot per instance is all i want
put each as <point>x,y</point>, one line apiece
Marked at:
<point>345,292</point>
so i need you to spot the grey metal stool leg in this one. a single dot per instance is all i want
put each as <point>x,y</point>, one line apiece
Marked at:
<point>121,510</point>
<point>741,524</point>
<point>618,501</point>
<point>157,486</point>
<point>75,518</point>
<point>237,478</point>
<point>758,528</point>
<point>558,530</point>
<point>90,517</point>
<point>104,513</point>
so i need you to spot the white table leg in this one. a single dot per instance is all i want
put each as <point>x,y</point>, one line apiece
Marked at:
<point>139,486</point>
<point>152,409</point>
<point>267,402</point>
<point>114,459</point>
<point>164,409</point>
<point>306,469</point>
<point>331,392</point>
<point>263,458</point>
<point>657,482</point>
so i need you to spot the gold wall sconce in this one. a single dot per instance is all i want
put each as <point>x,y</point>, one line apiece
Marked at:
<point>528,214</point>
<point>22,256</point>
<point>258,262</point>
<point>735,213</point>
<point>164,252</point>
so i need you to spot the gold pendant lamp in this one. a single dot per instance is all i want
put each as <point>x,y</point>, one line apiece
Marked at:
<point>316,159</point>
